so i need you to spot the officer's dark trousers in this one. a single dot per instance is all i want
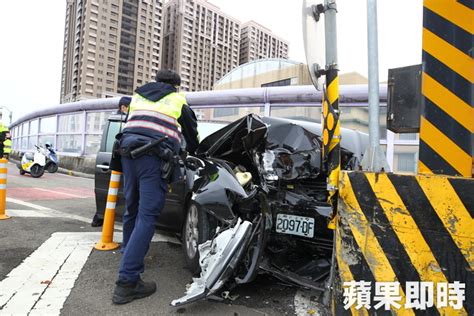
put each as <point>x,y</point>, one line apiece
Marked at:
<point>145,192</point>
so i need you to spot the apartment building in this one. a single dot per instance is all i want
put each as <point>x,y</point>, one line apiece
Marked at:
<point>258,42</point>
<point>200,42</point>
<point>110,47</point>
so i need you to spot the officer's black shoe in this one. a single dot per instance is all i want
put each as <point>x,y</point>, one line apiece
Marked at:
<point>96,221</point>
<point>126,292</point>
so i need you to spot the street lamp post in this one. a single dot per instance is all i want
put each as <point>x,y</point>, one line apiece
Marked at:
<point>9,115</point>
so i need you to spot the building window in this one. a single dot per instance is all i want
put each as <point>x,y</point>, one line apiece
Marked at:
<point>48,125</point>
<point>220,112</point>
<point>70,123</point>
<point>278,83</point>
<point>43,139</point>
<point>96,122</point>
<point>406,162</point>
<point>70,143</point>
<point>408,136</point>
<point>33,127</point>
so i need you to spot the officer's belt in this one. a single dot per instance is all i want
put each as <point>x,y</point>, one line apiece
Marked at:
<point>151,148</point>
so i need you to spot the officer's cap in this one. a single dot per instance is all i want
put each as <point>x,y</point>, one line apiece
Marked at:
<point>168,76</point>
<point>125,101</point>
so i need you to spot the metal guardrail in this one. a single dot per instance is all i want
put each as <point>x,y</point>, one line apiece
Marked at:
<point>271,96</point>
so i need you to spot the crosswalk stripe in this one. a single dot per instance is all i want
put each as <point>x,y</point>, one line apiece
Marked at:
<point>41,275</point>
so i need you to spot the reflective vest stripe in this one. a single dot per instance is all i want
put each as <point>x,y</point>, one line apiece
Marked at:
<point>153,126</point>
<point>7,146</point>
<point>158,115</point>
<point>170,105</point>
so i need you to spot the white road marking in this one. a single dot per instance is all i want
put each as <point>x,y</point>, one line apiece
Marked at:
<point>27,213</point>
<point>58,192</point>
<point>41,284</point>
<point>48,212</point>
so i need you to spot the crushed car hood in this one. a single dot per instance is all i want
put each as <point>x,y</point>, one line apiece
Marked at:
<point>293,147</point>
<point>234,139</point>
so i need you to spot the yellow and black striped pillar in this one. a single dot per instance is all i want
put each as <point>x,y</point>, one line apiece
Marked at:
<point>405,228</point>
<point>331,131</point>
<point>447,122</point>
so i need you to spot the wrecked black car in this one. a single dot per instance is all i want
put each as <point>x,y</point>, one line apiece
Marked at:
<point>258,204</point>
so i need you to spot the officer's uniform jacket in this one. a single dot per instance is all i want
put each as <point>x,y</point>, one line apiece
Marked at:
<point>157,110</point>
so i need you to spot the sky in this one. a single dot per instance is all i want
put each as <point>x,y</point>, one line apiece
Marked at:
<point>32,31</point>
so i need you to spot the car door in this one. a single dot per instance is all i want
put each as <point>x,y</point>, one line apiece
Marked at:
<point>171,216</point>
<point>102,172</point>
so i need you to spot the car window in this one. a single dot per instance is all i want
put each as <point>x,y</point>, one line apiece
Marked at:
<point>114,129</point>
<point>204,130</point>
<point>207,128</point>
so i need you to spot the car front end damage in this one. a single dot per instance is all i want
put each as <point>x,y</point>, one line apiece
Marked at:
<point>262,182</point>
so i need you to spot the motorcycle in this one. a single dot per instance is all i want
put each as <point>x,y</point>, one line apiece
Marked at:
<point>52,161</point>
<point>33,163</point>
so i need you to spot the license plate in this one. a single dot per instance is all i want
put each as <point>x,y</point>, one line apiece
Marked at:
<point>295,225</point>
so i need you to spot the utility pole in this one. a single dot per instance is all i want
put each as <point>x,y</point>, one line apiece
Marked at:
<point>10,114</point>
<point>331,124</point>
<point>331,148</point>
<point>374,158</point>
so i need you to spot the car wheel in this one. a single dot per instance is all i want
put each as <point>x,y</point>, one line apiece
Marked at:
<point>195,232</point>
<point>22,172</point>
<point>36,171</point>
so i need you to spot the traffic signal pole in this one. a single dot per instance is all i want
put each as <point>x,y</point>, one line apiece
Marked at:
<point>374,158</point>
<point>331,124</point>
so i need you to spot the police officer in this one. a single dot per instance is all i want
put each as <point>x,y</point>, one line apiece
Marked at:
<point>157,112</point>
<point>124,103</point>
<point>3,132</point>
<point>7,145</point>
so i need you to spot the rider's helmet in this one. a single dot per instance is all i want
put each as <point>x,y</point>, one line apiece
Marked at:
<point>48,145</point>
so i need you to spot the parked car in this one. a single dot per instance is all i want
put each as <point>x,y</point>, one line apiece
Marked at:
<point>254,199</point>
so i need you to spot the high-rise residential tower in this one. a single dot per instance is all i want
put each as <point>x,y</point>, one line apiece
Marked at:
<point>110,47</point>
<point>200,42</point>
<point>257,42</point>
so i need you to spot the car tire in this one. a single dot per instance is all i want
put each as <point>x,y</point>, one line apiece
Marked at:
<point>196,230</point>
<point>36,171</point>
<point>22,172</point>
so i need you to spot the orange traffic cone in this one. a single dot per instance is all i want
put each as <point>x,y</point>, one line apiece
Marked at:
<point>3,188</point>
<point>106,242</point>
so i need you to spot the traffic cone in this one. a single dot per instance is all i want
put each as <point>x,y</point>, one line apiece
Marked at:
<point>106,242</point>
<point>3,188</point>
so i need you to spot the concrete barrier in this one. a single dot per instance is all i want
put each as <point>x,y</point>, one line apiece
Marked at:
<point>406,229</point>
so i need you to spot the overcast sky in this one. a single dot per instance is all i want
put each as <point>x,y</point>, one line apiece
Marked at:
<point>31,33</point>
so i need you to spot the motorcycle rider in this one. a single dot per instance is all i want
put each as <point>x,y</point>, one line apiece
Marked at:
<point>157,113</point>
